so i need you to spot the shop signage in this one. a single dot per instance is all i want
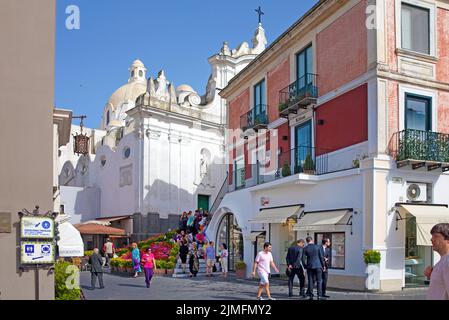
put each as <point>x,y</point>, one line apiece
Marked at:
<point>37,227</point>
<point>264,201</point>
<point>37,252</point>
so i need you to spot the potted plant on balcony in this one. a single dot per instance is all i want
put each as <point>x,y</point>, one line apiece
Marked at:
<point>240,269</point>
<point>309,165</point>
<point>372,261</point>
<point>282,106</point>
<point>286,171</point>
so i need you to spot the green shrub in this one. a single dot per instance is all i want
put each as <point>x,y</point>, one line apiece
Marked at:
<point>88,253</point>
<point>308,163</point>
<point>115,262</point>
<point>61,290</point>
<point>240,265</point>
<point>371,256</point>
<point>286,171</point>
<point>161,264</point>
<point>282,106</point>
<point>169,265</point>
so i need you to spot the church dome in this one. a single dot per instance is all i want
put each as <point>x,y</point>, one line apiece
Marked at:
<point>129,91</point>
<point>184,88</point>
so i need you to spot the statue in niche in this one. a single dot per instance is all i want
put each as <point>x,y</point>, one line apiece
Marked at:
<point>205,165</point>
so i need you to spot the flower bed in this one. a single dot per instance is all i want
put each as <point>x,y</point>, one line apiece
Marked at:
<point>163,247</point>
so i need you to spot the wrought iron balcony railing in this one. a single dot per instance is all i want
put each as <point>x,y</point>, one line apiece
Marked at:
<point>299,94</point>
<point>303,159</point>
<point>420,147</point>
<point>256,118</point>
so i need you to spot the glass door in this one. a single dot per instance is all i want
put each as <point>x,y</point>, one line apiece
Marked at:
<point>303,145</point>
<point>304,67</point>
<point>417,257</point>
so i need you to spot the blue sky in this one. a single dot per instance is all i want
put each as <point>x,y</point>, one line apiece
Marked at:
<point>174,35</point>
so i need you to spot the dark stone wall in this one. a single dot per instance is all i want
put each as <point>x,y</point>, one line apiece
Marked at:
<point>145,226</point>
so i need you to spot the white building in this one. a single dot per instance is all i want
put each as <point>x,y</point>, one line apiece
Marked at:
<point>160,149</point>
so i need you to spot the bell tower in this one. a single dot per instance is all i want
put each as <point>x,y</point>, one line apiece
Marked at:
<point>137,71</point>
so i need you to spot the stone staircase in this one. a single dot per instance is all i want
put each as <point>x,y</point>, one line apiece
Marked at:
<point>177,273</point>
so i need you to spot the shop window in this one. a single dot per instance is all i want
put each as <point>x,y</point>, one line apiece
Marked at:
<point>338,249</point>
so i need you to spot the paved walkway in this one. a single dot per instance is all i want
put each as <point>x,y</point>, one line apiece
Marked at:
<point>215,288</point>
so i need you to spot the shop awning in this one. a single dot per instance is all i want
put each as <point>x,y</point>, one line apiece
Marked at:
<point>70,243</point>
<point>94,228</point>
<point>277,215</point>
<point>111,219</point>
<point>323,220</point>
<point>426,217</point>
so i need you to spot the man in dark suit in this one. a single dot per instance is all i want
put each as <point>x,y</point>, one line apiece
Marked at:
<point>315,266</point>
<point>326,251</point>
<point>295,263</point>
<point>96,270</point>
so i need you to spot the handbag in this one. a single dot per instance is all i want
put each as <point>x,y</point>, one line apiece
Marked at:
<point>288,272</point>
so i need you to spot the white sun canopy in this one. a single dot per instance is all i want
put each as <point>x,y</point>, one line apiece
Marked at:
<point>426,217</point>
<point>323,220</point>
<point>277,215</point>
<point>70,243</point>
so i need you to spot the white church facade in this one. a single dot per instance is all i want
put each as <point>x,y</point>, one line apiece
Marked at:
<point>160,149</point>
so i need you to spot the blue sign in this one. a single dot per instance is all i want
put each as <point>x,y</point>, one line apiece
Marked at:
<point>29,248</point>
<point>46,225</point>
<point>45,249</point>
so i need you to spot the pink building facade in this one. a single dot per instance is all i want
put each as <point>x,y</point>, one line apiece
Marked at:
<point>340,129</point>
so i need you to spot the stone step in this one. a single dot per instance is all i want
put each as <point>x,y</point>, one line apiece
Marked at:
<point>199,274</point>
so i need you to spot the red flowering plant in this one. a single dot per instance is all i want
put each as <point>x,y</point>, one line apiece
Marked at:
<point>161,250</point>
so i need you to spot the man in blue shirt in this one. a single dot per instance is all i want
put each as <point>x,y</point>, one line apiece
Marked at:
<point>210,258</point>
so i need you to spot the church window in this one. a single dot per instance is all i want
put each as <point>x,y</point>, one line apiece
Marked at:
<point>103,161</point>
<point>126,152</point>
<point>107,117</point>
<point>140,73</point>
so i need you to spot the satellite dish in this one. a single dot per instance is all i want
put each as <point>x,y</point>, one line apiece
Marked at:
<point>413,192</point>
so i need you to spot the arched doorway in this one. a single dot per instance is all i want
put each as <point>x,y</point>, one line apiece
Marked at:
<point>230,233</point>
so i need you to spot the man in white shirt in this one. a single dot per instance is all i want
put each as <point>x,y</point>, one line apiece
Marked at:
<point>264,261</point>
<point>439,274</point>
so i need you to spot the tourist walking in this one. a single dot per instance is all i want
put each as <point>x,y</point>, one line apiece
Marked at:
<point>315,266</point>
<point>96,269</point>
<point>183,251</point>
<point>210,258</point>
<point>136,260</point>
<point>224,259</point>
<point>193,260</point>
<point>263,262</point>
<point>326,251</point>
<point>439,274</point>
<point>109,251</point>
<point>149,263</point>
<point>295,267</point>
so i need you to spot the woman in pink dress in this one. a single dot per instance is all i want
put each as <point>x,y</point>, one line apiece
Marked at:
<point>149,263</point>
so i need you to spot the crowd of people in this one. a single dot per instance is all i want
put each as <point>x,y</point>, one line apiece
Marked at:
<point>194,244</point>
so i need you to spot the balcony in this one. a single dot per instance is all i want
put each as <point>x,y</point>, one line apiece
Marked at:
<point>303,159</point>
<point>420,149</point>
<point>298,95</point>
<point>255,119</point>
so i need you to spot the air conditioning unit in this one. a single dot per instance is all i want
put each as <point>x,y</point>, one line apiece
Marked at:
<point>416,192</point>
